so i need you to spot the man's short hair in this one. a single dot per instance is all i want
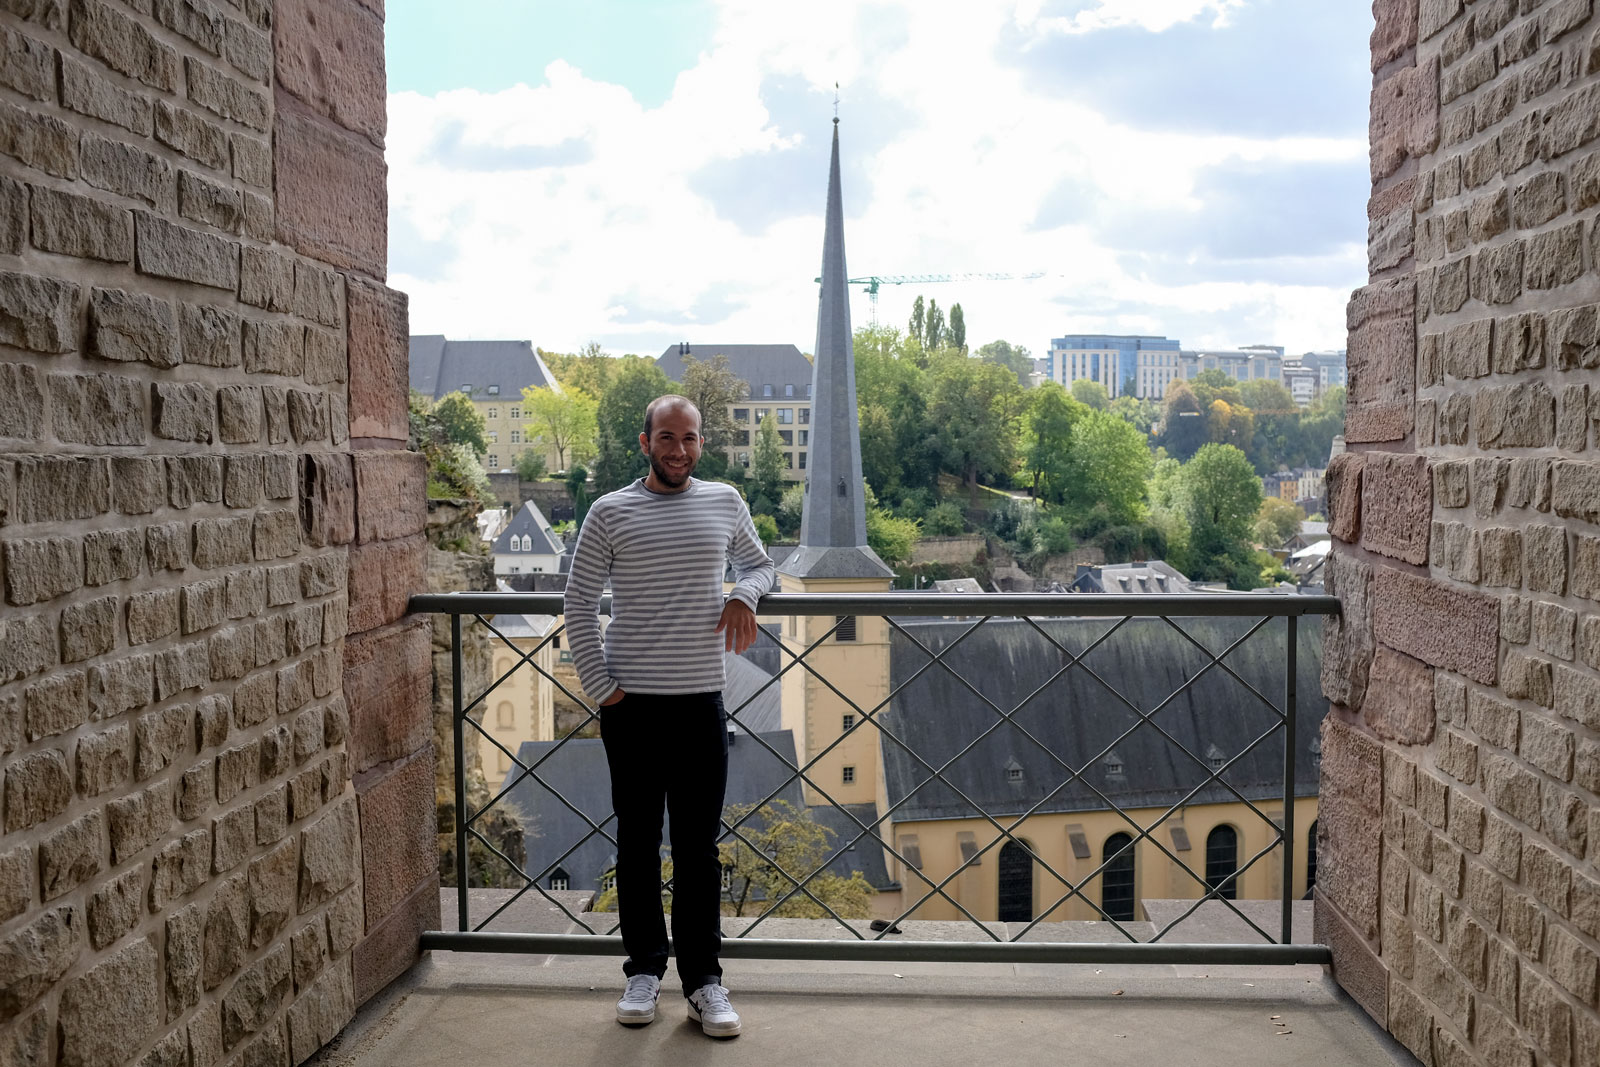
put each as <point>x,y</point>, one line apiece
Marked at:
<point>670,400</point>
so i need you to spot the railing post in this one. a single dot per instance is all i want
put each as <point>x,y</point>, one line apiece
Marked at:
<point>1291,649</point>
<point>461,771</point>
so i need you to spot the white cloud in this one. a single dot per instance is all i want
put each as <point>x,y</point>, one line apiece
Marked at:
<point>567,211</point>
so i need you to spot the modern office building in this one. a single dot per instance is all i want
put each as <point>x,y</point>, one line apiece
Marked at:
<point>1246,364</point>
<point>1126,364</point>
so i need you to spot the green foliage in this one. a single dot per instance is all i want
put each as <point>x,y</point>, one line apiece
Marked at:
<point>1140,414</point>
<point>578,486</point>
<point>775,842</point>
<point>1091,394</point>
<point>958,329</point>
<point>530,465</point>
<point>918,315</point>
<point>1221,496</point>
<point>766,528</point>
<point>562,421</point>
<point>766,463</point>
<point>1055,535</point>
<point>1015,357</point>
<point>619,421</point>
<point>1277,521</point>
<point>460,422</point>
<point>890,537</point>
<point>975,416</point>
<point>454,472</point>
<point>944,520</point>
<point>1183,424</point>
<point>1107,466</point>
<point>1047,438</point>
<point>933,327</point>
<point>791,509</point>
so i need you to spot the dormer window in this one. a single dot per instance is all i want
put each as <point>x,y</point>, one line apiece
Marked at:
<point>1216,757</point>
<point>1113,763</point>
<point>1013,772</point>
<point>493,390</point>
<point>766,390</point>
<point>788,390</point>
<point>467,388</point>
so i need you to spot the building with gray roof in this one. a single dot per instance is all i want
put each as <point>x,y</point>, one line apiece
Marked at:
<point>777,379</point>
<point>527,545</point>
<point>491,374</point>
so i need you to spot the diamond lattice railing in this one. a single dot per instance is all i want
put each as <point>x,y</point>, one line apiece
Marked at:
<point>1033,717</point>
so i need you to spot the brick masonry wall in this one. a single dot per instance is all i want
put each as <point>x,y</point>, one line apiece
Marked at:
<point>1459,828</point>
<point>216,809</point>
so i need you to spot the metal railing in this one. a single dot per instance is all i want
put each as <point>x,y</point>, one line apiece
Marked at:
<point>973,611</point>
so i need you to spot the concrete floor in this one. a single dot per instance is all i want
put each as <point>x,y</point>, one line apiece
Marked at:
<point>513,1011</point>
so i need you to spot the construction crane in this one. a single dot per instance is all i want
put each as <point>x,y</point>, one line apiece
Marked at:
<point>872,281</point>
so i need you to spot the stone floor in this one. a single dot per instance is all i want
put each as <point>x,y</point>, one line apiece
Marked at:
<point>491,1010</point>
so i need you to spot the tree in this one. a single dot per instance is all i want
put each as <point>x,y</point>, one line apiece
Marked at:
<point>1277,521</point>
<point>916,323</point>
<point>766,466</point>
<point>1140,414</point>
<point>1222,496</point>
<point>1091,394</point>
<point>1263,395</point>
<point>1183,428</point>
<point>578,486</point>
<point>891,538</point>
<point>1006,354</point>
<point>530,465</point>
<point>775,846</point>
<point>958,328</point>
<point>974,416</point>
<point>620,419</point>
<point>453,469</point>
<point>1047,437</point>
<point>712,386</point>
<point>461,423</point>
<point>766,527</point>
<point>933,327</point>
<point>563,421</point>
<point>1107,466</point>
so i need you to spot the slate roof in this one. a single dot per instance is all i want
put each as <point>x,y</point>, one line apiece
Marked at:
<point>1076,718</point>
<point>440,366</point>
<point>579,773</point>
<point>1154,576</point>
<point>758,365</point>
<point>529,522</point>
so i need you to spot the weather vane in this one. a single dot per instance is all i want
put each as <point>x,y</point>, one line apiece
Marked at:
<point>836,103</point>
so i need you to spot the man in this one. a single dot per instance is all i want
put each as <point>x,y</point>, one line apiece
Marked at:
<point>663,542</point>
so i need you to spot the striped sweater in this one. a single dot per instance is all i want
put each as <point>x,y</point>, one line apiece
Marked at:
<point>665,555</point>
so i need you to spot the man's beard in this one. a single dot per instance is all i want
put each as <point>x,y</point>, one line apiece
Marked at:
<point>666,477</point>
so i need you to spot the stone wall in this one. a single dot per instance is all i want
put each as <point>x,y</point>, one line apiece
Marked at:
<point>1459,823</point>
<point>203,491</point>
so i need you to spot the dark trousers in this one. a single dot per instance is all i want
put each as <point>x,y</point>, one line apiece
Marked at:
<point>669,754</point>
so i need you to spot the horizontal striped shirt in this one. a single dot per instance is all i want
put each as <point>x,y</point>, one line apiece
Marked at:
<point>665,554</point>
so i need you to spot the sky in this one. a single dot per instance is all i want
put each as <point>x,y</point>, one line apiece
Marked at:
<point>642,172</point>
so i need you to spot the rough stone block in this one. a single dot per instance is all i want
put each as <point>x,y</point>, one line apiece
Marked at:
<point>1555,257</point>
<point>167,250</point>
<point>16,882</point>
<point>327,506</point>
<point>41,568</point>
<point>139,820</point>
<point>34,957</point>
<point>1396,506</point>
<point>272,881</point>
<point>272,818</point>
<point>222,542</point>
<point>329,855</point>
<point>241,418</point>
<point>72,225</point>
<point>89,629</point>
<point>319,295</point>
<point>330,57</point>
<point>232,838</point>
<point>183,411</point>
<point>388,690</point>
<point>252,157</point>
<point>1515,416</point>
<point>209,203</point>
<point>383,575</point>
<point>180,867</point>
<point>324,574</point>
<point>194,479</point>
<point>1437,623</point>
<point>331,193</point>
<point>103,759</point>
<point>277,408</point>
<point>1520,343</point>
<point>274,347</point>
<point>223,95</point>
<point>39,141</point>
<point>1382,357</point>
<point>1575,490</point>
<point>38,786</point>
<point>71,855</point>
<point>1466,349</point>
<point>26,65</point>
<point>1404,117</point>
<point>277,534</point>
<point>398,835</point>
<point>379,358</point>
<point>266,279</point>
<point>57,704</point>
<point>209,336</point>
<point>227,932</point>
<point>21,401</point>
<point>308,416</point>
<point>391,498</point>
<point>1343,485</point>
<point>1572,122</point>
<point>98,409</point>
<point>116,907</point>
<point>138,483</point>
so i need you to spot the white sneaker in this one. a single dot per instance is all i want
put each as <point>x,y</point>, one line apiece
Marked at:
<point>709,1007</point>
<point>638,1004</point>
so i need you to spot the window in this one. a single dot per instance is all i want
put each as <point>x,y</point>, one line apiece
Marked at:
<point>494,436</point>
<point>1117,881</point>
<point>805,437</point>
<point>788,390</point>
<point>805,414</point>
<point>761,413</point>
<point>846,630</point>
<point>1013,774</point>
<point>1222,861</point>
<point>849,775</point>
<point>766,390</point>
<point>516,437</point>
<point>788,459</point>
<point>503,761</point>
<point>802,461</point>
<point>786,437</point>
<point>608,881</point>
<point>559,880</point>
<point>491,460</point>
<point>849,722</point>
<point>505,715</point>
<point>741,437</point>
<point>516,413</point>
<point>785,416</point>
<point>1311,857</point>
<point>467,388</point>
<point>744,459</point>
<point>808,389</point>
<point>741,414</point>
<point>493,390</point>
<point>492,413</point>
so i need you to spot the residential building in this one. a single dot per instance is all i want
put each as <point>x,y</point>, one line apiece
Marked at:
<point>1247,364</point>
<point>492,374</point>
<point>777,379</point>
<point>527,545</point>
<point>524,705</point>
<point>1126,364</point>
<point>1301,381</point>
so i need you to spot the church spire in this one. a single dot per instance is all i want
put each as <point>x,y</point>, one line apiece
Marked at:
<point>833,529</point>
